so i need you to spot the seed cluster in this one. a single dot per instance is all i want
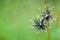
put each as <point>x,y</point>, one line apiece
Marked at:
<point>40,24</point>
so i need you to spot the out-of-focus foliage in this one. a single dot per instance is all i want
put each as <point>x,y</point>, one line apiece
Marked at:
<point>15,15</point>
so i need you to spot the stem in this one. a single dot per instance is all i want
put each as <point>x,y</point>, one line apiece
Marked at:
<point>48,30</point>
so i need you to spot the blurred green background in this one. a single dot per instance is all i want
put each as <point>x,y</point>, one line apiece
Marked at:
<point>15,16</point>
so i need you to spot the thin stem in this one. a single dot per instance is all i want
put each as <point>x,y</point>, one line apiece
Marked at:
<point>48,30</point>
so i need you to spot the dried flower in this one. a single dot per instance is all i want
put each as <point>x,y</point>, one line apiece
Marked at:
<point>39,25</point>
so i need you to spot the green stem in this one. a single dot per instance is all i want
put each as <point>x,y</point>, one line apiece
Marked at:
<point>48,30</point>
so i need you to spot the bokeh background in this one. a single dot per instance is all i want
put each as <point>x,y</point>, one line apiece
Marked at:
<point>15,16</point>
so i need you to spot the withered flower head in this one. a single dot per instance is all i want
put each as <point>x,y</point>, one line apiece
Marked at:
<point>39,25</point>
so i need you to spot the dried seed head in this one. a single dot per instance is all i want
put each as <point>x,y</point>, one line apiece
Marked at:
<point>40,23</point>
